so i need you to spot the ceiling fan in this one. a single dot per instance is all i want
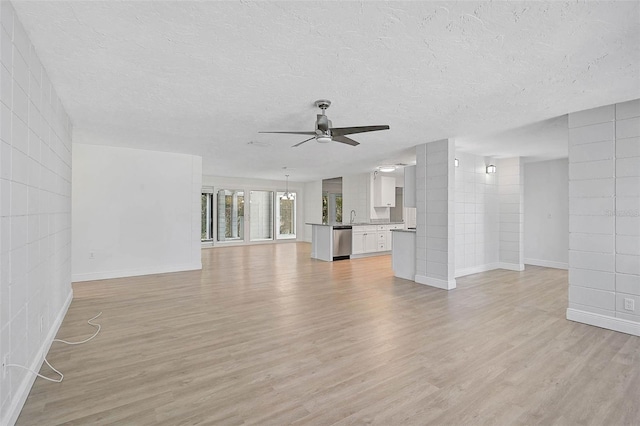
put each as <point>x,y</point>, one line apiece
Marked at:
<point>324,133</point>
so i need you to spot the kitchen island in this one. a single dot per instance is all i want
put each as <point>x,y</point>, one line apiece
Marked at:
<point>322,241</point>
<point>403,253</point>
<point>367,239</point>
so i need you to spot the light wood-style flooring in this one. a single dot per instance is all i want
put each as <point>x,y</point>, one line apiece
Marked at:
<point>264,335</point>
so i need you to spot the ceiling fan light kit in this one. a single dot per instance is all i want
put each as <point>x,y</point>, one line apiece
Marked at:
<point>387,169</point>
<point>325,132</point>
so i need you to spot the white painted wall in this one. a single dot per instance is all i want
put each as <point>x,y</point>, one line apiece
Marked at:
<point>312,206</point>
<point>356,196</point>
<point>604,216</point>
<point>247,185</point>
<point>35,212</point>
<point>476,215</point>
<point>546,213</point>
<point>135,212</point>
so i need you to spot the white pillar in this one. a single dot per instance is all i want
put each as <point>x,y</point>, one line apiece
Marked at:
<point>510,173</point>
<point>604,217</point>
<point>435,220</point>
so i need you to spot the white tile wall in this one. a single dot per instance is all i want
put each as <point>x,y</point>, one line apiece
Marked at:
<point>592,116</point>
<point>628,109</point>
<point>35,205</point>
<point>476,214</point>
<point>604,210</point>
<point>593,279</point>
<point>435,238</point>
<point>591,152</point>
<point>510,176</point>
<point>629,284</point>
<point>592,133</point>
<point>627,147</point>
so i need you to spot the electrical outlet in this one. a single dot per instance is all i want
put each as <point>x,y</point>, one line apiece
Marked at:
<point>92,255</point>
<point>629,304</point>
<point>5,361</point>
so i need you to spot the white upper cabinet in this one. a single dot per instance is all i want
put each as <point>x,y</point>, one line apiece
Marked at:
<point>384,191</point>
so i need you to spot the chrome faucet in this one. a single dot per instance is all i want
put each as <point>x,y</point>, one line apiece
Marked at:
<point>352,216</point>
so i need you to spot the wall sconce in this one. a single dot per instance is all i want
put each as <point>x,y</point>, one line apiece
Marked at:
<point>456,162</point>
<point>491,168</point>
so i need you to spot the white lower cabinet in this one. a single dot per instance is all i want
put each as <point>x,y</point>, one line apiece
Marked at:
<point>372,238</point>
<point>357,242</point>
<point>364,239</point>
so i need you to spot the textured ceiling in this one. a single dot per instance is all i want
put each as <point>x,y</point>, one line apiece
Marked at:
<point>204,77</point>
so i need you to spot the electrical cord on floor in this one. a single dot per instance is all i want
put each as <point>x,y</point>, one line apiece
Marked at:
<point>86,340</point>
<point>38,374</point>
<point>61,341</point>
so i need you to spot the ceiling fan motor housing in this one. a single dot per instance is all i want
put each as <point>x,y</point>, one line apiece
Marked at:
<point>323,104</point>
<point>323,124</point>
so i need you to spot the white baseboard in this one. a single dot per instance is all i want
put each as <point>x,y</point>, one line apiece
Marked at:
<point>511,266</point>
<point>373,253</point>
<point>546,263</point>
<point>476,269</point>
<point>603,321</point>
<point>25,387</point>
<point>106,275</point>
<point>435,282</point>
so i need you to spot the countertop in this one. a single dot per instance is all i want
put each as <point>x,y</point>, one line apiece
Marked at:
<point>355,224</point>
<point>403,230</point>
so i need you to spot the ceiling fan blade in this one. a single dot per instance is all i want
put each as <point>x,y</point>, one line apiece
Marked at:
<point>339,131</point>
<point>293,133</point>
<point>344,139</point>
<point>300,143</point>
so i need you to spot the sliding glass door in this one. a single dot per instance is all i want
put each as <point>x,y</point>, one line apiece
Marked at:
<point>206,220</point>
<point>269,216</point>
<point>230,215</point>
<point>261,215</point>
<point>286,216</point>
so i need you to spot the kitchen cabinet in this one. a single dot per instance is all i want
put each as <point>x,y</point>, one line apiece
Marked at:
<point>403,254</point>
<point>364,239</point>
<point>372,238</point>
<point>384,235</point>
<point>384,191</point>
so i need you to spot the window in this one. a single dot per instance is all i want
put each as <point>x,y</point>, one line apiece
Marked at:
<point>261,215</point>
<point>286,217</point>
<point>230,215</point>
<point>206,219</point>
<point>331,208</point>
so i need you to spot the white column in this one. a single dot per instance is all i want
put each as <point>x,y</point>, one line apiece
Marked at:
<point>604,217</point>
<point>510,173</point>
<point>435,224</point>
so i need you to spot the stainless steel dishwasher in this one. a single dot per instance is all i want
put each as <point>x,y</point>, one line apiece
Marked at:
<point>341,242</point>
